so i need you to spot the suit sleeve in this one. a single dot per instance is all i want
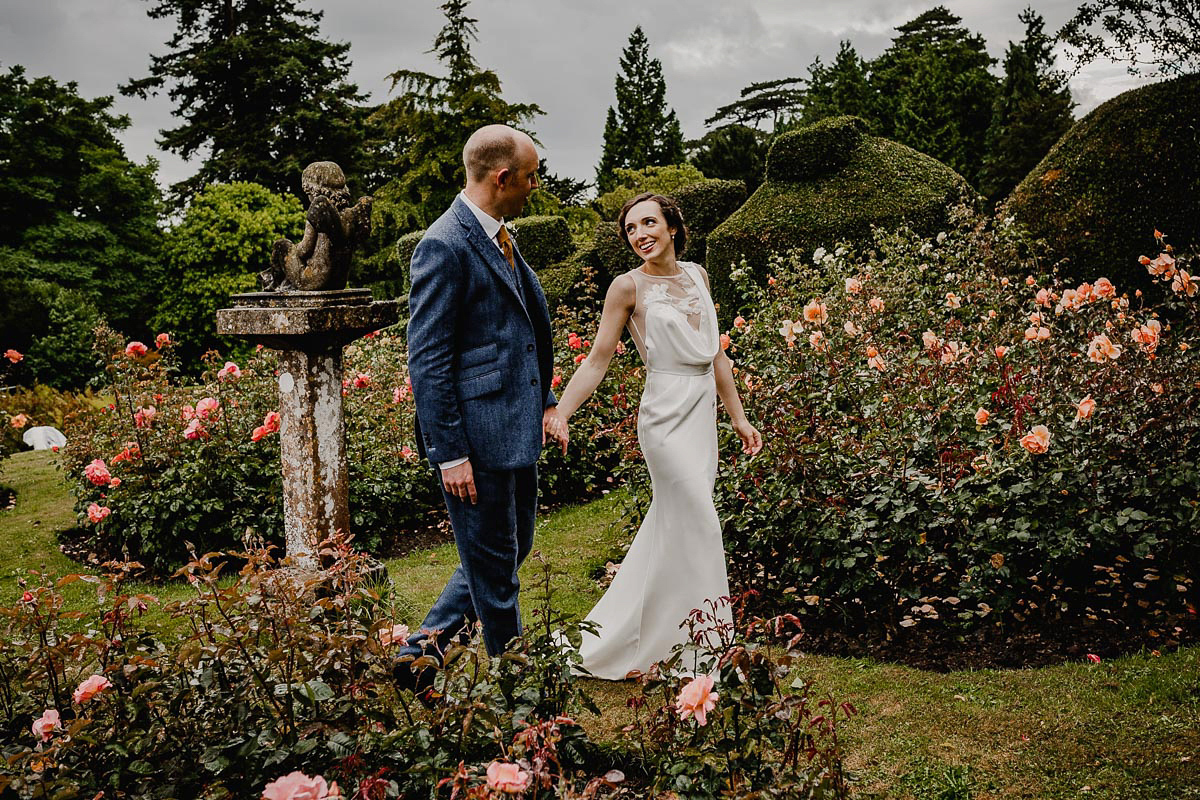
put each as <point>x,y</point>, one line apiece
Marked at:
<point>434,301</point>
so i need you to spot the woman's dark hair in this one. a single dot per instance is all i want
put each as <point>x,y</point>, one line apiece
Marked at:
<point>670,211</point>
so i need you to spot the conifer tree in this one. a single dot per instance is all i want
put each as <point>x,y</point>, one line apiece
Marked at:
<point>258,92</point>
<point>840,88</point>
<point>641,131</point>
<point>1032,110</point>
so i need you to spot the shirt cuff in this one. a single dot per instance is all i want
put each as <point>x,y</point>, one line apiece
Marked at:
<point>454,463</point>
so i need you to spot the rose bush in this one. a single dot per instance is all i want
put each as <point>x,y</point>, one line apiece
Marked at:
<point>282,686</point>
<point>950,449</point>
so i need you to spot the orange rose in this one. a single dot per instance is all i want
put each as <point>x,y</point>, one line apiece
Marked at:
<point>815,312</point>
<point>982,416</point>
<point>1085,408</point>
<point>1037,440</point>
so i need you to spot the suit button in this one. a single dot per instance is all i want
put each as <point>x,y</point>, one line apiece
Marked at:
<point>529,348</point>
<point>533,382</point>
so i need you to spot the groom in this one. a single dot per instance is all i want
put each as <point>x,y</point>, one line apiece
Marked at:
<point>480,362</point>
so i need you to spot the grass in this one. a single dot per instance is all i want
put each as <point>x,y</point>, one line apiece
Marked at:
<point>1128,729</point>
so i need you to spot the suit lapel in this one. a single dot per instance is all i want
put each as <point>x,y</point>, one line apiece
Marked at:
<point>488,251</point>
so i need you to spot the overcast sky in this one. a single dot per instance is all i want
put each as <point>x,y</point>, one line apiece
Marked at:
<point>560,54</point>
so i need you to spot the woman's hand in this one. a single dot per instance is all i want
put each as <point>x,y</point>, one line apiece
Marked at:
<point>751,438</point>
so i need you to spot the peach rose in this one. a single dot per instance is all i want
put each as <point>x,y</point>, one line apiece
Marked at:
<point>853,286</point>
<point>725,341</point>
<point>1147,334</point>
<point>45,725</point>
<point>739,322</point>
<point>1101,349</point>
<point>397,634</point>
<point>815,312</point>
<point>785,330</point>
<point>136,349</point>
<point>1001,351</point>
<point>1103,288</point>
<point>19,421</point>
<point>94,685</point>
<point>876,304</point>
<point>850,328</point>
<point>953,300</point>
<point>97,513</point>
<point>97,472</point>
<point>1183,284</point>
<point>13,355</point>
<point>1163,266</point>
<point>982,416</point>
<point>875,360</point>
<point>1037,440</point>
<point>162,340</point>
<point>230,371</point>
<point>817,341</point>
<point>1085,408</point>
<point>507,778</point>
<point>697,699</point>
<point>296,786</point>
<point>1043,298</point>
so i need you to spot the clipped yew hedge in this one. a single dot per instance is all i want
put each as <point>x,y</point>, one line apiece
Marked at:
<point>825,183</point>
<point>705,205</point>
<point>1127,168</point>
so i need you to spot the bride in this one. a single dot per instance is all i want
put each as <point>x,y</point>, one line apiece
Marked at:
<point>677,560</point>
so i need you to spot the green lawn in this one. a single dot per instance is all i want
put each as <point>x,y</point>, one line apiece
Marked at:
<point>1125,730</point>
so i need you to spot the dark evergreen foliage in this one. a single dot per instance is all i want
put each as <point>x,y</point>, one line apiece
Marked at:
<point>731,152</point>
<point>1032,110</point>
<point>259,94</point>
<point>641,130</point>
<point>840,89</point>
<point>777,100</point>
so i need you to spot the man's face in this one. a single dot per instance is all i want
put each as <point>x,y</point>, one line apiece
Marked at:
<point>519,182</point>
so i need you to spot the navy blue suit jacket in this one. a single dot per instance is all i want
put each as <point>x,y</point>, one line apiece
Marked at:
<point>479,348</point>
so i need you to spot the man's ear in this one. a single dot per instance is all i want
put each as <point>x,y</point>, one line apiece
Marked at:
<point>502,177</point>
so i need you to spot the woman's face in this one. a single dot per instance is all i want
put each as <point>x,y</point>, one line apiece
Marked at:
<point>647,231</point>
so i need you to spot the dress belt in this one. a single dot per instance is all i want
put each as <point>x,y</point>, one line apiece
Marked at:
<point>684,370</point>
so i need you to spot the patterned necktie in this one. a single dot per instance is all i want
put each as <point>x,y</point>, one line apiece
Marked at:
<point>505,242</point>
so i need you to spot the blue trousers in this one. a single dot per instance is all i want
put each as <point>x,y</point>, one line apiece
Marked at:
<point>493,538</point>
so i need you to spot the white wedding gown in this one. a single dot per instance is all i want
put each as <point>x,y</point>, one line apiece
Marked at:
<point>677,561</point>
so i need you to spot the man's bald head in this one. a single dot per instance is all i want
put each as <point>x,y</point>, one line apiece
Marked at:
<point>493,148</point>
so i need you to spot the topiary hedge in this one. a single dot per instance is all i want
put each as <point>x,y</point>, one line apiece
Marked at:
<point>833,193</point>
<point>543,240</point>
<point>1125,169</point>
<point>607,255</point>
<point>705,205</point>
<point>557,282</point>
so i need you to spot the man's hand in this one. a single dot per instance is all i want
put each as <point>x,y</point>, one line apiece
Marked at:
<point>554,426</point>
<point>460,482</point>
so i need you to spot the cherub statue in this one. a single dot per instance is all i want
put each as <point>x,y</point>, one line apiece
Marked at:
<point>321,259</point>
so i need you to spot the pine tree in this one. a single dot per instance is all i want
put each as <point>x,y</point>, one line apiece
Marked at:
<point>641,131</point>
<point>1032,110</point>
<point>777,100</point>
<point>259,93</point>
<point>934,90</point>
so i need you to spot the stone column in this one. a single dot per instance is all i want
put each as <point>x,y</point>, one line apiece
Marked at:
<point>312,446</point>
<point>310,329</point>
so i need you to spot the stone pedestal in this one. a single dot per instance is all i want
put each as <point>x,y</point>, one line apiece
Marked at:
<point>310,329</point>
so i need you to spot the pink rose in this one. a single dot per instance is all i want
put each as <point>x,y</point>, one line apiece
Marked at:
<point>739,322</point>
<point>1103,288</point>
<point>45,725</point>
<point>1092,657</point>
<point>144,417</point>
<point>573,341</point>
<point>362,380</point>
<point>136,349</point>
<point>19,421</point>
<point>555,381</point>
<point>97,472</point>
<point>1085,408</point>
<point>91,687</point>
<point>406,453</point>
<point>397,634</point>
<point>697,699</point>
<point>97,513</point>
<point>206,407</point>
<point>162,340</point>
<point>982,416</point>
<point>579,358</point>
<point>296,786</point>
<point>194,430</point>
<point>230,371</point>
<point>506,778</point>
<point>1037,441</point>
<point>13,355</point>
<point>186,413</point>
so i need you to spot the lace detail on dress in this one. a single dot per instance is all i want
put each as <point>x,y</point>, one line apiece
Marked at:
<point>689,305</point>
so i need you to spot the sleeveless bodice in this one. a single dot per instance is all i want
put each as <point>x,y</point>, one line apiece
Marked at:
<point>674,322</point>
